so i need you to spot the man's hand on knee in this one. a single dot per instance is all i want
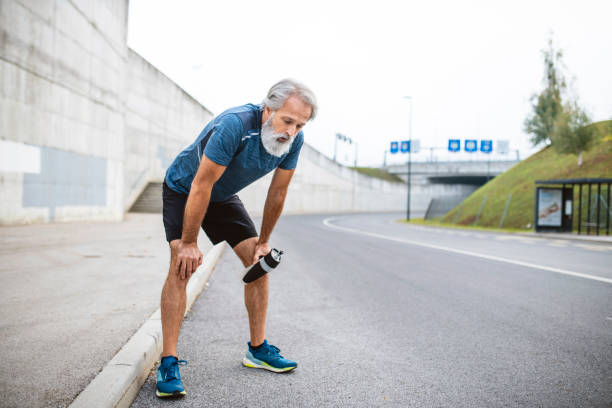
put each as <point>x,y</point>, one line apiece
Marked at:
<point>188,258</point>
<point>261,249</point>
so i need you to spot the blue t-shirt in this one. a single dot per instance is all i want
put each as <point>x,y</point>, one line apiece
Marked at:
<point>231,139</point>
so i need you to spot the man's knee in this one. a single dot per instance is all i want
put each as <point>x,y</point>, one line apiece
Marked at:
<point>173,276</point>
<point>244,250</point>
<point>174,246</point>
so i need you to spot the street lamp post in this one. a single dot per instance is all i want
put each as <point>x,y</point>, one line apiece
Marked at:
<point>343,138</point>
<point>409,158</point>
<point>336,144</point>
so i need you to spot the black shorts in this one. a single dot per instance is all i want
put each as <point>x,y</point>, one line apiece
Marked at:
<point>224,221</point>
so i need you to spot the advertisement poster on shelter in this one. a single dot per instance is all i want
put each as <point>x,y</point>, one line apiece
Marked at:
<point>549,207</point>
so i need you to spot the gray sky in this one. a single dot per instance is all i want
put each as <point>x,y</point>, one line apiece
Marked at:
<point>469,66</point>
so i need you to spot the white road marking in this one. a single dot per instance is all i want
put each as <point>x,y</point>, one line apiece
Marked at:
<point>608,318</point>
<point>327,223</point>
<point>595,247</point>
<point>521,239</point>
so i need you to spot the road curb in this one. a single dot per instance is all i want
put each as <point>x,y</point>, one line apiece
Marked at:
<point>117,385</point>
<point>606,239</point>
<point>582,238</point>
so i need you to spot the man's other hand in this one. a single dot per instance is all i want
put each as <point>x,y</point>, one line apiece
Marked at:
<point>261,249</point>
<point>188,258</point>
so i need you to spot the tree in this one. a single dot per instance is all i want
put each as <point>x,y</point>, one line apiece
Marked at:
<point>547,106</point>
<point>573,131</point>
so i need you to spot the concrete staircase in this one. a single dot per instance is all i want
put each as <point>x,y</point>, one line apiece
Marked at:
<point>150,201</point>
<point>439,206</point>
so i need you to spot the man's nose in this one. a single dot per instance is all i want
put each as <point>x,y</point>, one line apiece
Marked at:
<point>291,130</point>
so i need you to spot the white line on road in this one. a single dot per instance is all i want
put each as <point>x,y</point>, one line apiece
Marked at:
<point>327,223</point>
<point>595,247</point>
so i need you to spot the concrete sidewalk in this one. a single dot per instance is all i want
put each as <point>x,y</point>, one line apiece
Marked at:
<point>72,295</point>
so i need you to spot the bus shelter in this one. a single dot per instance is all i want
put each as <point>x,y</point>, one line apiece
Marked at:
<point>557,200</point>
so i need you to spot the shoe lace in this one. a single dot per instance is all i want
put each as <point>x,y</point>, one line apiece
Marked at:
<point>274,350</point>
<point>172,373</point>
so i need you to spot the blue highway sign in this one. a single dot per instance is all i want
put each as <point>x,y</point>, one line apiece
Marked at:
<point>394,147</point>
<point>471,145</point>
<point>486,146</point>
<point>405,147</point>
<point>454,145</point>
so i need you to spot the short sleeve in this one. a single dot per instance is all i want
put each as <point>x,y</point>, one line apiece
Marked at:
<point>290,162</point>
<point>224,140</point>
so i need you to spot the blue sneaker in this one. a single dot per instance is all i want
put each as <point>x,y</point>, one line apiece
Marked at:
<point>267,357</point>
<point>169,383</point>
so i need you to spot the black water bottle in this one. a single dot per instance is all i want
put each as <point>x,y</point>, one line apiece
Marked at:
<point>265,265</point>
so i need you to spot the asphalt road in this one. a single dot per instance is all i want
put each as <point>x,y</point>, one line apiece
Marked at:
<point>408,316</point>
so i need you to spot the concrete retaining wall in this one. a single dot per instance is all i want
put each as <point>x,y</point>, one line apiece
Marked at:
<point>319,185</point>
<point>87,123</point>
<point>62,70</point>
<point>160,120</point>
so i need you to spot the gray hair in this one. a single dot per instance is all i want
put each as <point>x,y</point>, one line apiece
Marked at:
<point>281,91</point>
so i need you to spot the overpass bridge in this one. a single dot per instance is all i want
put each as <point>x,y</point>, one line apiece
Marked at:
<point>438,186</point>
<point>452,172</point>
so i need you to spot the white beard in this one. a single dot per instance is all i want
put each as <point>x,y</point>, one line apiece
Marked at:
<point>270,142</point>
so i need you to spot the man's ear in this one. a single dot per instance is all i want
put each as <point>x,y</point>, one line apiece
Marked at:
<point>266,113</point>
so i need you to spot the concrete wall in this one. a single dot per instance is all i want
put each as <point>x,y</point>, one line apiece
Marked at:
<point>160,120</point>
<point>62,70</point>
<point>86,123</point>
<point>320,185</point>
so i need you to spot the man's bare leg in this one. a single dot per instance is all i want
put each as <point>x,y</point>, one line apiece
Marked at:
<point>255,293</point>
<point>173,303</point>
<point>256,302</point>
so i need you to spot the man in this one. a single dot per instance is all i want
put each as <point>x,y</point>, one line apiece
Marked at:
<point>236,148</point>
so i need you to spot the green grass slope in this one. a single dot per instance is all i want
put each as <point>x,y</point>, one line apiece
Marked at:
<point>379,173</point>
<point>520,181</point>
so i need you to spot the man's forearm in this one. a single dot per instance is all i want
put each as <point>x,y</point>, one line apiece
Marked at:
<point>272,210</point>
<point>195,210</point>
